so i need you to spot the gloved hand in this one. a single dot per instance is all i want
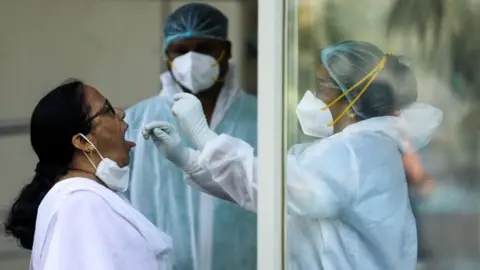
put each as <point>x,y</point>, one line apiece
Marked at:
<point>188,111</point>
<point>168,142</point>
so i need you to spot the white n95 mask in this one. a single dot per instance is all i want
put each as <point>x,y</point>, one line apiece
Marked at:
<point>114,177</point>
<point>313,119</point>
<point>195,71</point>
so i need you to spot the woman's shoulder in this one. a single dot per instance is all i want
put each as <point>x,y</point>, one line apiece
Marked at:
<point>70,205</point>
<point>74,194</point>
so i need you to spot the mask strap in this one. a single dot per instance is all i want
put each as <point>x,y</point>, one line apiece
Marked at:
<point>220,58</point>
<point>217,62</point>
<point>372,75</point>
<point>100,155</point>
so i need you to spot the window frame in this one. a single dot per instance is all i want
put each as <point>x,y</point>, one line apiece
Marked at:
<point>270,221</point>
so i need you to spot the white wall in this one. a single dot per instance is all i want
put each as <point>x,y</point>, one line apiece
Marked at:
<point>112,45</point>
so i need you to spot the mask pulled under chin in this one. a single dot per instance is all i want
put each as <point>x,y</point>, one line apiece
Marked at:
<point>113,176</point>
<point>195,71</point>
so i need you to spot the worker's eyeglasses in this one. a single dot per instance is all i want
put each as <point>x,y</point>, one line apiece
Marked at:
<point>107,108</point>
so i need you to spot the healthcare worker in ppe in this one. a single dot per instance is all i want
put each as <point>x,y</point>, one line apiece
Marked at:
<point>72,214</point>
<point>347,197</point>
<point>208,233</point>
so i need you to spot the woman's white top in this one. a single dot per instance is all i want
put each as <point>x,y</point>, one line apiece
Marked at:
<point>82,225</point>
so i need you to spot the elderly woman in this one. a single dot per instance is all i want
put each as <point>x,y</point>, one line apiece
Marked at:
<point>71,214</point>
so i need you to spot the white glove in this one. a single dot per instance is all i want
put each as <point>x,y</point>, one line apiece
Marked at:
<point>188,111</point>
<point>168,142</point>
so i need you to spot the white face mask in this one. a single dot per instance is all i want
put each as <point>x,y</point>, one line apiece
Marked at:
<point>313,120</point>
<point>114,177</point>
<point>196,71</point>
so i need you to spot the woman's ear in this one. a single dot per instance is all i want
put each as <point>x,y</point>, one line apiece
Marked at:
<point>350,116</point>
<point>81,143</point>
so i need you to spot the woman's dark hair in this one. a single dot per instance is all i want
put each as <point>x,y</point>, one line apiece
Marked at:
<point>394,88</point>
<point>59,115</point>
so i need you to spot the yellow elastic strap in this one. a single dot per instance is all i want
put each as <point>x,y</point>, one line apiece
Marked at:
<point>220,58</point>
<point>372,75</point>
<point>222,54</point>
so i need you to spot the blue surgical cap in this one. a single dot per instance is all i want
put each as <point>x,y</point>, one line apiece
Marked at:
<point>348,62</point>
<point>195,20</point>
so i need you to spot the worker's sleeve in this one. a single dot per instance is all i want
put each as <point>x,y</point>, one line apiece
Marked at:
<point>319,183</point>
<point>233,167</point>
<point>322,180</point>
<point>203,181</point>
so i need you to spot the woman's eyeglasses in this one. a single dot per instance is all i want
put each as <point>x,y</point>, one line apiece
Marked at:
<point>107,108</point>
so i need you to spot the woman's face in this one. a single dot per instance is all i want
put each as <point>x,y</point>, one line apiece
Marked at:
<point>108,128</point>
<point>328,91</point>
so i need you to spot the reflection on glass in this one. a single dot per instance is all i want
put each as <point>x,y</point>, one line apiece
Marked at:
<point>433,171</point>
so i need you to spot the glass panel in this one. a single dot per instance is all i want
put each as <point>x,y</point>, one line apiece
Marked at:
<point>343,205</point>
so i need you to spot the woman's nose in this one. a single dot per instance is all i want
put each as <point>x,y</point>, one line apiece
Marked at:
<point>120,113</point>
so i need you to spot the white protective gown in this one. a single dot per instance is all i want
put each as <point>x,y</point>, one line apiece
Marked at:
<point>347,197</point>
<point>82,225</point>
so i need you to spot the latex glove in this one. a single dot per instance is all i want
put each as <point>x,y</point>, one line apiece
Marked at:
<point>188,111</point>
<point>168,142</point>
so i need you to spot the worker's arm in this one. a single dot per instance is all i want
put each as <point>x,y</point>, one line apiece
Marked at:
<point>314,186</point>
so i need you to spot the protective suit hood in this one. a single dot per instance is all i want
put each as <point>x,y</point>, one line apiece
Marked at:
<point>416,123</point>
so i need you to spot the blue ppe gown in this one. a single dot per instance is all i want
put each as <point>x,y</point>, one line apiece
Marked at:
<point>208,233</point>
